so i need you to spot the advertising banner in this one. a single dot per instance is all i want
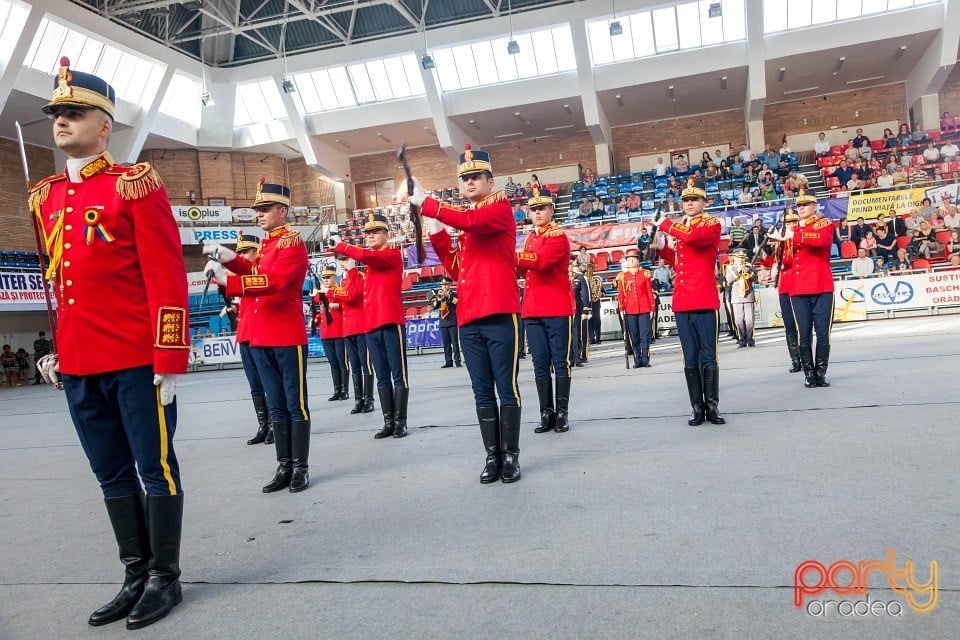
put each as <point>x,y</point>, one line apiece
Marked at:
<point>423,332</point>
<point>196,213</point>
<point>21,288</point>
<point>218,350</point>
<point>244,214</point>
<point>430,256</point>
<point>913,291</point>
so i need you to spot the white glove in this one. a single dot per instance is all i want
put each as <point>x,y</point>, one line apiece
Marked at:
<point>334,240</point>
<point>776,234</point>
<point>417,197</point>
<point>218,252</point>
<point>788,233</point>
<point>49,367</point>
<point>432,225</point>
<point>168,386</point>
<point>659,216</point>
<point>588,315</point>
<point>215,271</point>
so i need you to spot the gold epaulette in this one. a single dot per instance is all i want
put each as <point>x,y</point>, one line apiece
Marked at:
<point>553,231</point>
<point>496,196</point>
<point>137,181</point>
<point>706,220</point>
<point>289,239</point>
<point>41,191</point>
<point>821,223</point>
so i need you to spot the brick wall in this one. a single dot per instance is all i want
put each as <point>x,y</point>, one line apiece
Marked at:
<point>14,214</point>
<point>721,127</point>
<point>950,93</point>
<point>840,110</point>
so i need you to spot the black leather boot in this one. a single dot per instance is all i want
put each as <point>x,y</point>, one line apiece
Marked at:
<point>509,444</point>
<point>300,452</point>
<point>548,416</point>
<point>337,385</point>
<point>386,404</point>
<point>400,397</point>
<point>806,360</point>
<point>281,480</point>
<point>357,392</point>
<point>270,439</point>
<point>344,384</point>
<point>794,350</point>
<point>367,394</point>
<point>563,402</point>
<point>162,591</point>
<point>130,529</point>
<point>695,391</point>
<point>711,395</point>
<point>489,419</point>
<point>263,419</point>
<point>820,365</point>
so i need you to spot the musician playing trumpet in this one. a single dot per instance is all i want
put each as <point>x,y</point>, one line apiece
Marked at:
<point>740,276</point>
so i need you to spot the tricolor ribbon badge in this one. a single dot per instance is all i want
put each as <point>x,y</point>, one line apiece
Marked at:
<point>94,226</point>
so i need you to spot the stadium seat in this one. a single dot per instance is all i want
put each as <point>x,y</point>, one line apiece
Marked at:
<point>917,159</point>
<point>833,182</point>
<point>616,256</point>
<point>826,172</point>
<point>834,252</point>
<point>414,277</point>
<point>943,237</point>
<point>848,249</point>
<point>837,150</point>
<point>903,242</point>
<point>406,284</point>
<point>878,145</point>
<point>603,261</point>
<point>920,263</point>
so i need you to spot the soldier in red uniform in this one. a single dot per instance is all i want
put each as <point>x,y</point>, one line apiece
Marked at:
<point>386,322</point>
<point>123,337</point>
<point>484,265</point>
<point>696,302</point>
<point>278,334</point>
<point>546,310</point>
<point>635,295</point>
<point>330,320</point>
<point>783,257</point>
<point>247,247</point>
<point>812,293</point>
<point>349,295</point>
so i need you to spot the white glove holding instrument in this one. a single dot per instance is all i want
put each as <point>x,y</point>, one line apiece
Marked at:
<point>334,240</point>
<point>49,368</point>
<point>215,271</point>
<point>416,198</point>
<point>167,382</point>
<point>659,216</point>
<point>218,252</point>
<point>432,225</point>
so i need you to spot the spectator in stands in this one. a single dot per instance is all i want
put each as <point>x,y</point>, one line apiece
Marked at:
<point>822,146</point>
<point>936,221</point>
<point>745,196</point>
<point>900,177</point>
<point>736,167</point>
<point>843,172</point>
<point>737,233</point>
<point>902,262</point>
<point>860,139</point>
<point>8,359</point>
<point>864,172</point>
<point>633,206</point>
<point>585,209</point>
<point>946,120</point>
<point>711,172</point>
<point>912,221</point>
<point>680,163</point>
<point>895,224</point>
<point>861,266</point>
<point>859,231</point>
<point>662,276</point>
<point>511,188</point>
<point>535,180</point>
<point>583,258</point>
<point>588,177</point>
<point>869,244</point>
<point>750,177</point>
<point>886,242</point>
<point>879,266</point>
<point>925,241</point>
<point>852,152</point>
<point>919,136</point>
<point>953,244</point>
<point>643,244</point>
<point>903,136</point>
<point>768,187</point>
<point>527,191</point>
<point>906,159</point>
<point>954,261</point>
<point>841,233</point>
<point>950,212</point>
<point>723,170</point>
<point>705,160</point>
<point>754,240</point>
<point>718,157</point>
<point>930,154</point>
<point>660,169</point>
<point>926,209</point>
<point>885,180</point>
<point>746,154</point>
<point>950,151</point>
<point>519,215</point>
<point>23,365</point>
<point>889,139</point>
<point>843,193</point>
<point>865,150</point>
<point>208,333</point>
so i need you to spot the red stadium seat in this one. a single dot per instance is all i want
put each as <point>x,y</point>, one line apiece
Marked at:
<point>934,136</point>
<point>411,312</point>
<point>917,159</point>
<point>617,255</point>
<point>406,284</point>
<point>426,273</point>
<point>414,277</point>
<point>954,167</point>
<point>723,258</point>
<point>848,249</point>
<point>603,261</point>
<point>826,172</point>
<point>920,263</point>
<point>837,149</point>
<point>833,182</point>
<point>943,237</point>
<point>724,244</point>
<point>903,242</point>
<point>877,145</point>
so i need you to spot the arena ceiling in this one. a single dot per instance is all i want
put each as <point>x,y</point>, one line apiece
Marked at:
<point>236,32</point>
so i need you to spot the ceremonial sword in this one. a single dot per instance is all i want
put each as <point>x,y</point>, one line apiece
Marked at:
<point>414,209</point>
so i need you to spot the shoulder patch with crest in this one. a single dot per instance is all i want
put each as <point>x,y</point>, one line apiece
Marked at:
<point>136,181</point>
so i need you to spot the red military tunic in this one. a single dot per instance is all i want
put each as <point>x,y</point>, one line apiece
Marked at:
<point>117,264</point>
<point>349,295</point>
<point>333,328</point>
<point>543,262</point>
<point>382,284</point>
<point>244,309</point>
<point>485,262</point>
<point>694,260</point>
<point>811,257</point>
<point>274,281</point>
<point>785,283</point>
<point>635,293</point>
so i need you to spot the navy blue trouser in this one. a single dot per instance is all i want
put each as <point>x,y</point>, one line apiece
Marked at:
<point>125,431</point>
<point>698,332</point>
<point>786,312</point>
<point>250,370</point>
<point>357,353</point>
<point>550,342</point>
<point>639,324</point>
<point>491,350</point>
<point>813,313</point>
<point>336,351</point>
<point>283,371</point>
<point>451,344</point>
<point>387,348</point>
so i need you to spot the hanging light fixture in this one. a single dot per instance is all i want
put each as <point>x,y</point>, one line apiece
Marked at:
<point>513,47</point>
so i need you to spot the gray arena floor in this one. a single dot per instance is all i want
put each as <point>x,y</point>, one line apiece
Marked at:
<point>631,525</point>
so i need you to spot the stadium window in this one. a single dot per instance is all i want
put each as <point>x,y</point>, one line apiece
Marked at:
<point>182,100</point>
<point>783,15</point>
<point>378,80</point>
<point>257,103</point>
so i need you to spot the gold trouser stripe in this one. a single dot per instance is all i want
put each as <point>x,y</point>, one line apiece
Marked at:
<point>569,344</point>
<point>516,357</point>
<point>302,382</point>
<point>795,323</point>
<point>164,448</point>
<point>366,354</point>
<point>830,326</point>
<point>716,335</point>
<point>403,355</point>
